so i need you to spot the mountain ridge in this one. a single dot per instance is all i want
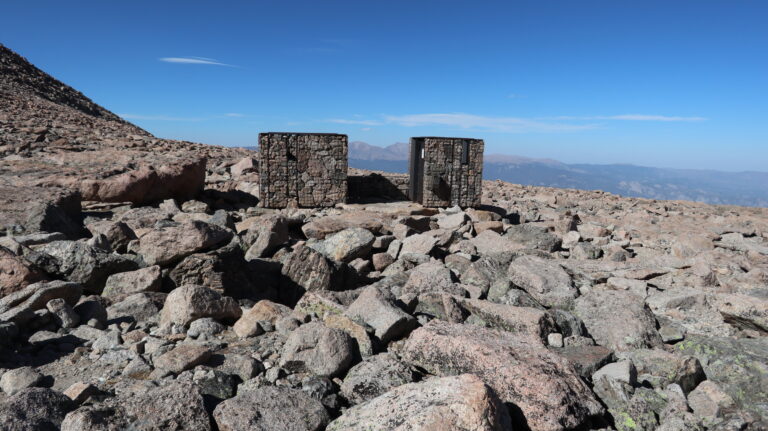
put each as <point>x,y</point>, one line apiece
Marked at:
<point>699,185</point>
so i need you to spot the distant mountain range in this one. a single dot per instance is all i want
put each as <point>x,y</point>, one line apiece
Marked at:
<point>714,187</point>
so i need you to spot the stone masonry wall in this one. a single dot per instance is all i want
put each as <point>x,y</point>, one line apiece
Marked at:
<point>447,181</point>
<point>378,186</point>
<point>302,169</point>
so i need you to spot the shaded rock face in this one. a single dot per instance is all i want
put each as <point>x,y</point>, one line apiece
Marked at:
<point>53,209</point>
<point>16,273</point>
<point>447,403</point>
<point>183,180</point>
<point>81,263</point>
<point>35,409</point>
<point>308,270</point>
<point>543,386</point>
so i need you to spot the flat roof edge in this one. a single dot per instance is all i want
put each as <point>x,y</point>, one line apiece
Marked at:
<point>301,134</point>
<point>446,137</point>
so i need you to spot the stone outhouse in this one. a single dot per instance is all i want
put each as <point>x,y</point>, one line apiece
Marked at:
<point>302,169</point>
<point>446,171</point>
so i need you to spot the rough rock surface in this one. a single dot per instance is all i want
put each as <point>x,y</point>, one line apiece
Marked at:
<point>186,304</point>
<point>617,319</point>
<point>316,348</point>
<point>271,408</point>
<point>546,389</point>
<point>447,403</point>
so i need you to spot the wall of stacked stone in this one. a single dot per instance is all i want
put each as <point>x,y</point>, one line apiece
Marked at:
<point>378,186</point>
<point>302,169</point>
<point>448,181</point>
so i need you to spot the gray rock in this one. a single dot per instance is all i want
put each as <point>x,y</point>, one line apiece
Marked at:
<point>374,376</point>
<point>170,244</point>
<point>139,307</point>
<point>127,283</point>
<point>618,320</point>
<point>175,407</point>
<point>708,401</point>
<point>310,270</point>
<point>271,409</point>
<point>265,237</point>
<point>419,244</point>
<point>35,409</point>
<point>660,368</point>
<point>63,314</point>
<point>318,349</point>
<point>737,366</point>
<point>545,280</point>
<point>183,357</point>
<point>529,235</point>
<point>18,379</point>
<point>242,366</point>
<point>519,368</point>
<point>19,307</point>
<point>264,311</point>
<point>586,359</point>
<point>431,277</point>
<point>188,303</point>
<point>376,308</point>
<point>452,221</point>
<point>205,327</point>
<point>92,310</point>
<point>622,371</point>
<point>117,233</point>
<point>449,403</point>
<point>346,245</point>
<point>80,263</point>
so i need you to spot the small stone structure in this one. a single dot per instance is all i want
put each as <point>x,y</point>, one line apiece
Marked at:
<point>302,169</point>
<point>377,187</point>
<point>446,171</point>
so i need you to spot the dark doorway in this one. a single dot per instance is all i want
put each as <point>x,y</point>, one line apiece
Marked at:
<point>416,170</point>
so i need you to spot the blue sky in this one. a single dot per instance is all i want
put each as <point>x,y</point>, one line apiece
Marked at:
<point>657,83</point>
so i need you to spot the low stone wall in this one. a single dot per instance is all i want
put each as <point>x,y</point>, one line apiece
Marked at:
<point>378,186</point>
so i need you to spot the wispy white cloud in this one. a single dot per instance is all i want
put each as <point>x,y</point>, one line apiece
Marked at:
<point>631,117</point>
<point>515,96</point>
<point>158,117</point>
<point>366,129</point>
<point>354,121</point>
<point>234,115</point>
<point>507,124</point>
<point>496,124</point>
<point>195,60</point>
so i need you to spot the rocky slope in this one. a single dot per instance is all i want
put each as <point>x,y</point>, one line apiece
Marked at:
<point>545,309</point>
